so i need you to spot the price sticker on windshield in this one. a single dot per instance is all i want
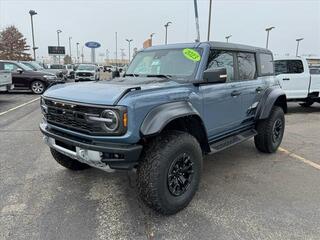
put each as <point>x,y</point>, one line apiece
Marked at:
<point>191,54</point>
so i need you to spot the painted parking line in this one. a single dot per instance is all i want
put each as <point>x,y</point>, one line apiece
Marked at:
<point>20,106</point>
<point>302,159</point>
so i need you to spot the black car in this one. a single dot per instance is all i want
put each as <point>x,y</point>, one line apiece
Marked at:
<point>24,77</point>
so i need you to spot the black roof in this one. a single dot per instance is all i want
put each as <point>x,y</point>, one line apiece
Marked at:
<point>214,44</point>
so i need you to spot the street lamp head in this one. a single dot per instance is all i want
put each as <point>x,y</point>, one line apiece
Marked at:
<point>151,35</point>
<point>129,40</point>
<point>229,36</point>
<point>77,43</point>
<point>59,31</point>
<point>167,24</point>
<point>269,28</point>
<point>299,39</point>
<point>32,12</point>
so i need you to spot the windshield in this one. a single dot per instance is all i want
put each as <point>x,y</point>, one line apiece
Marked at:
<point>28,65</point>
<point>33,65</point>
<point>176,64</point>
<point>86,67</point>
<point>25,67</point>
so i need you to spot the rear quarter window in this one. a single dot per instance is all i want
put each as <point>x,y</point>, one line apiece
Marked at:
<point>266,64</point>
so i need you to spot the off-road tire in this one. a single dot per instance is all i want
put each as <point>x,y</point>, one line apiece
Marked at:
<point>153,171</point>
<point>306,104</point>
<point>67,162</point>
<point>265,141</point>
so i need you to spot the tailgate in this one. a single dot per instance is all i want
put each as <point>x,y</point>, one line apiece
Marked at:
<point>5,78</point>
<point>315,83</point>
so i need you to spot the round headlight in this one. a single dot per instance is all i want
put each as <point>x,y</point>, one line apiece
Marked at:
<point>113,120</point>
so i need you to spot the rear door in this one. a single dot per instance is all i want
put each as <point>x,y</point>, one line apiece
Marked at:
<point>293,78</point>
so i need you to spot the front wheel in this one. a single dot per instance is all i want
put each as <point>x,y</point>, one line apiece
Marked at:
<point>37,87</point>
<point>270,131</point>
<point>170,171</point>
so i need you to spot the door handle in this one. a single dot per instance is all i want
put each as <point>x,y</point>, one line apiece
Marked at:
<point>285,79</point>
<point>235,93</point>
<point>259,89</point>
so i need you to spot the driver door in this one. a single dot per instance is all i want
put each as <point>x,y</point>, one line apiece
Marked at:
<point>222,101</point>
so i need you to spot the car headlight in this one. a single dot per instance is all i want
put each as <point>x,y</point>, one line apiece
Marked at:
<point>111,120</point>
<point>114,121</point>
<point>50,77</point>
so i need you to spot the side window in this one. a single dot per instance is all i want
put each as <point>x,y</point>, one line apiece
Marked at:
<point>280,67</point>
<point>295,66</point>
<point>266,64</point>
<point>219,59</point>
<point>247,66</point>
<point>288,67</point>
<point>10,67</point>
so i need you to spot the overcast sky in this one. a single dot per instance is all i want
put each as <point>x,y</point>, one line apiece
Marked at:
<point>99,20</point>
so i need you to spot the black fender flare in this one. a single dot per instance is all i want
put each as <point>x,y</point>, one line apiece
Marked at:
<point>160,116</point>
<point>271,97</point>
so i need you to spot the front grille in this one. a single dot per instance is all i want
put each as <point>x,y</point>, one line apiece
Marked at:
<point>84,74</point>
<point>74,116</point>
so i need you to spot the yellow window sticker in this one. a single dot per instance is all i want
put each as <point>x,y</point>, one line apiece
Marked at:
<point>191,54</point>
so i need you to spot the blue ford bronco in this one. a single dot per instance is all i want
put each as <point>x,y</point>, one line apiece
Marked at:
<point>175,104</point>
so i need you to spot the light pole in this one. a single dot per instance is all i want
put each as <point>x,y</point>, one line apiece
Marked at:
<point>58,33</point>
<point>209,21</point>
<point>197,20</point>
<point>70,48</point>
<point>227,38</point>
<point>129,43</point>
<point>116,50</point>
<point>82,56</point>
<point>268,30</point>
<point>78,60</point>
<point>107,56</point>
<point>151,36</point>
<point>166,26</point>
<point>298,42</point>
<point>32,13</point>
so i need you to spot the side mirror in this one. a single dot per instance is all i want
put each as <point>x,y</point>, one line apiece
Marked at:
<point>20,70</point>
<point>215,75</point>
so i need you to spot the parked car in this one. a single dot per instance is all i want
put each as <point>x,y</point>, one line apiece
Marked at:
<point>58,69</point>
<point>175,104</point>
<point>87,72</point>
<point>25,78</point>
<point>5,81</point>
<point>300,83</point>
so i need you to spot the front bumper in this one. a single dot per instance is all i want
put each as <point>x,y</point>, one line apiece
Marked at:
<point>96,154</point>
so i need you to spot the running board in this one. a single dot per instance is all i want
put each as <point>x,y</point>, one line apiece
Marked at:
<point>232,140</point>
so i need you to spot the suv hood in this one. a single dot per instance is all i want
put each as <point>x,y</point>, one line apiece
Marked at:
<point>103,92</point>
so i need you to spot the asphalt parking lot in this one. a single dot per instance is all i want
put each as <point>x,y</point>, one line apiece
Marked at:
<point>243,194</point>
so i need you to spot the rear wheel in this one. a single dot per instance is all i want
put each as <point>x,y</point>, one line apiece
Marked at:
<point>38,87</point>
<point>67,162</point>
<point>270,131</point>
<point>169,173</point>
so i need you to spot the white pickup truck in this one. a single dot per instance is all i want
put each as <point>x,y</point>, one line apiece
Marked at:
<point>5,81</point>
<point>300,82</point>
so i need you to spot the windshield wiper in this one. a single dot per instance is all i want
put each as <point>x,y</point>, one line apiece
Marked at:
<point>131,75</point>
<point>160,76</point>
